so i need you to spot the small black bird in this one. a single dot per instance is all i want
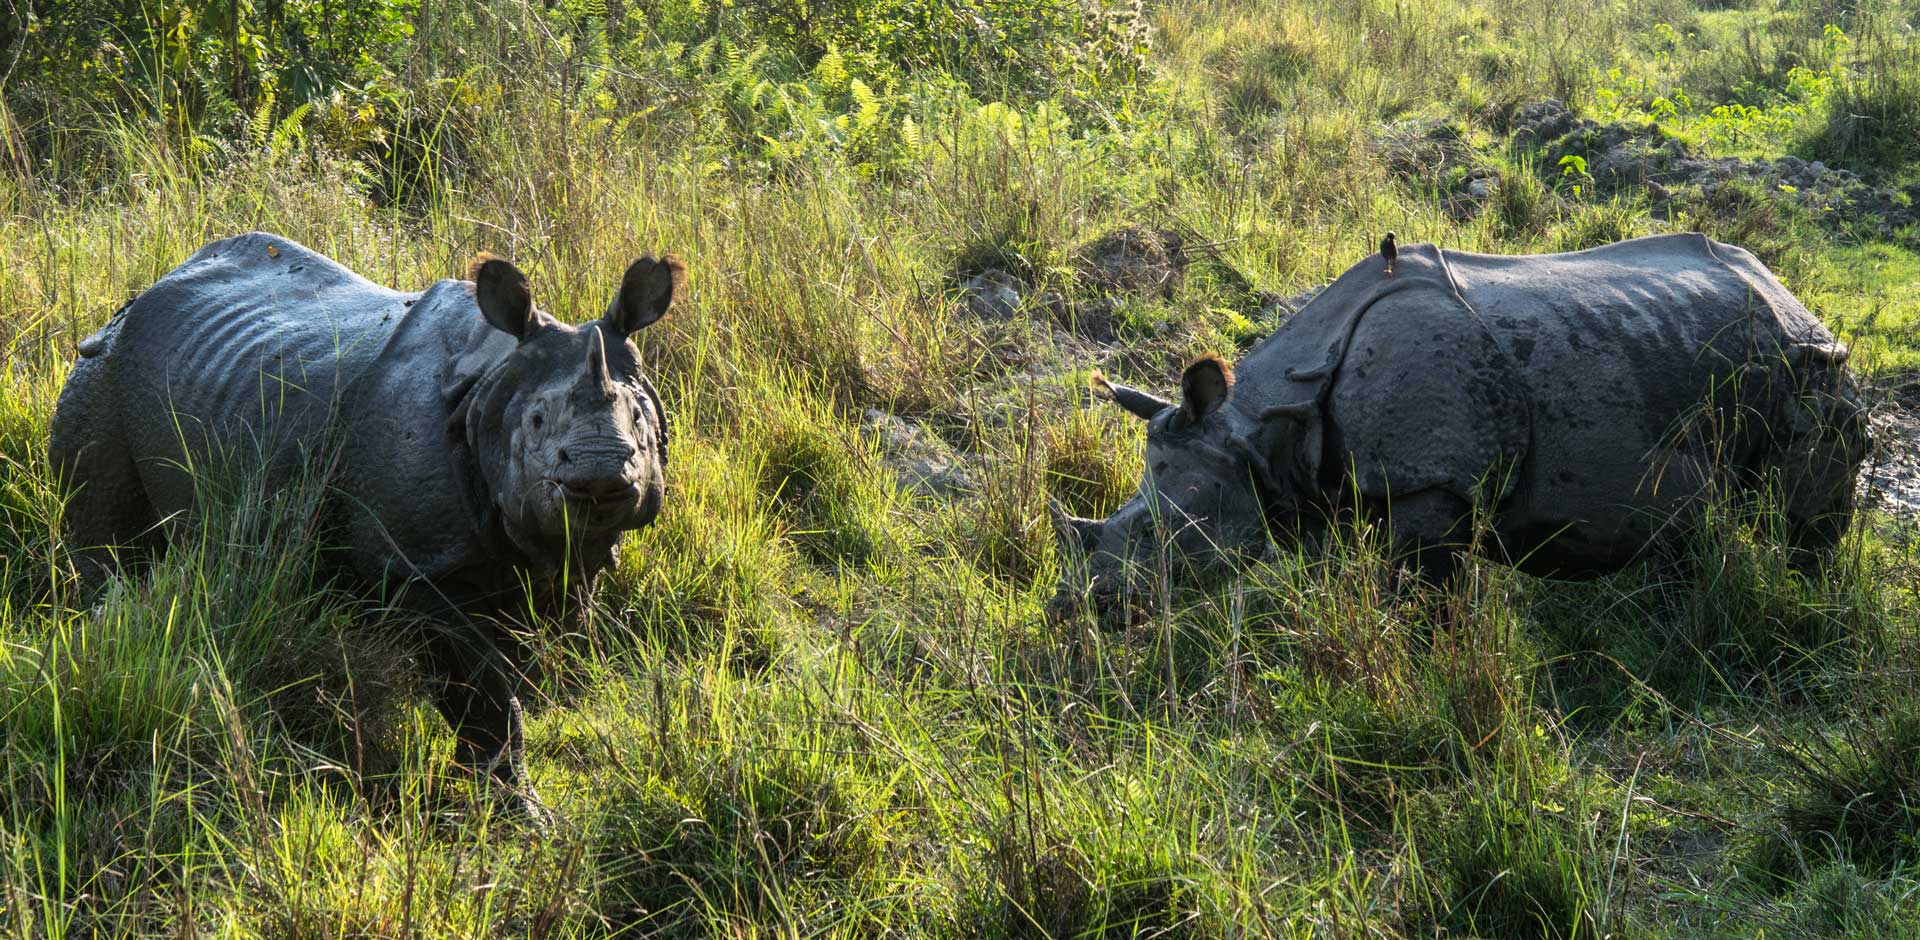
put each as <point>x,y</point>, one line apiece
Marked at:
<point>1389,251</point>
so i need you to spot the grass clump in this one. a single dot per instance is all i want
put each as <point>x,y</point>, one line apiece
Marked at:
<point>1873,117</point>
<point>1522,205</point>
<point>1856,799</point>
<point>1052,888</point>
<point>1006,530</point>
<point>1514,871</point>
<point>824,484</point>
<point>227,665</point>
<point>1088,475</point>
<point>732,845</point>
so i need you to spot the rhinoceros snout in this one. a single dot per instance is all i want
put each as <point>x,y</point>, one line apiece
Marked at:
<point>1110,611</point>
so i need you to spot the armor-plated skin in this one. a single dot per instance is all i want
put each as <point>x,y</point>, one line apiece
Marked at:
<point>479,450</point>
<point>1587,400</point>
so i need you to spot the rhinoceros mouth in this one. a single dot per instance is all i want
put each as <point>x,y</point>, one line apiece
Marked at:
<point>1111,609</point>
<point>599,495</point>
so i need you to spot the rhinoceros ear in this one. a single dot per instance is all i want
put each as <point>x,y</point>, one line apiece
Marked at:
<point>504,296</point>
<point>646,291</point>
<point>1142,405</point>
<point>1204,386</point>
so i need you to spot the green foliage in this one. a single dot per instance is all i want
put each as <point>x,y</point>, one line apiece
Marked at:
<point>1847,98</point>
<point>202,67</point>
<point>1015,48</point>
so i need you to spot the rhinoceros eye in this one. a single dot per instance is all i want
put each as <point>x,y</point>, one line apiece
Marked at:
<point>538,421</point>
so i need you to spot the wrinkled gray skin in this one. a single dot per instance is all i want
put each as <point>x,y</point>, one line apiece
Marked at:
<point>1586,399</point>
<point>481,451</point>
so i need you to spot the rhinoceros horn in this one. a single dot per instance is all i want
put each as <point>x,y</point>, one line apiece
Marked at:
<point>1073,529</point>
<point>1143,405</point>
<point>597,371</point>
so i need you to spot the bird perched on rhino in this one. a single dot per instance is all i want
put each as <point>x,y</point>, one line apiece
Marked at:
<point>1389,251</point>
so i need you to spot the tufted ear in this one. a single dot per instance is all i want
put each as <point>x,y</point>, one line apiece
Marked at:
<point>646,291</point>
<point>504,296</point>
<point>1205,386</point>
<point>1142,405</point>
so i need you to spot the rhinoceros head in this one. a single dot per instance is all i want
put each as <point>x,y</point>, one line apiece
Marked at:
<point>568,434</point>
<point>1197,502</point>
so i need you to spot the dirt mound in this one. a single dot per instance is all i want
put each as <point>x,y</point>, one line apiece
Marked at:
<point>1619,156</point>
<point>1424,147</point>
<point>994,294</point>
<point>1129,263</point>
<point>1611,158</point>
<point>1133,262</point>
<point>924,464</point>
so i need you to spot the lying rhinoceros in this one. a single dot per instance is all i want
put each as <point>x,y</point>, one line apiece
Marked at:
<point>1585,400</point>
<point>482,447</point>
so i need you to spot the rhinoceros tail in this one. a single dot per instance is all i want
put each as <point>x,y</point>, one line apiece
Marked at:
<point>1827,437</point>
<point>97,343</point>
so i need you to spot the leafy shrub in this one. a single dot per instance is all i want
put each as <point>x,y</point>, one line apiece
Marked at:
<point>1017,48</point>
<point>204,67</point>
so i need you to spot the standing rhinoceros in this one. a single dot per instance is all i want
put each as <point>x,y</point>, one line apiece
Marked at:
<point>485,452</point>
<point>1585,400</point>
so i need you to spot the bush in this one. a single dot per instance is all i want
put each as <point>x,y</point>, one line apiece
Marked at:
<point>205,68</point>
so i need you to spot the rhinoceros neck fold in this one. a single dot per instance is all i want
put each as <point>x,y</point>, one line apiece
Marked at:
<point>470,483</point>
<point>410,468</point>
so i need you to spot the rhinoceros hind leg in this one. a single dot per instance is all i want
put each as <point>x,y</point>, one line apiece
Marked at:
<point>107,509</point>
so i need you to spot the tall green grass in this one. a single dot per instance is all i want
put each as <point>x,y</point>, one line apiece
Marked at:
<point>808,702</point>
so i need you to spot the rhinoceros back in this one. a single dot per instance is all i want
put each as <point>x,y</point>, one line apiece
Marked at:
<point>1629,354</point>
<point>1603,390</point>
<point>238,355</point>
<point>1621,345</point>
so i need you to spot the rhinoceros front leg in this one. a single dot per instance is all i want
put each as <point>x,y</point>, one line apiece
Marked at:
<point>476,676</point>
<point>1430,531</point>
